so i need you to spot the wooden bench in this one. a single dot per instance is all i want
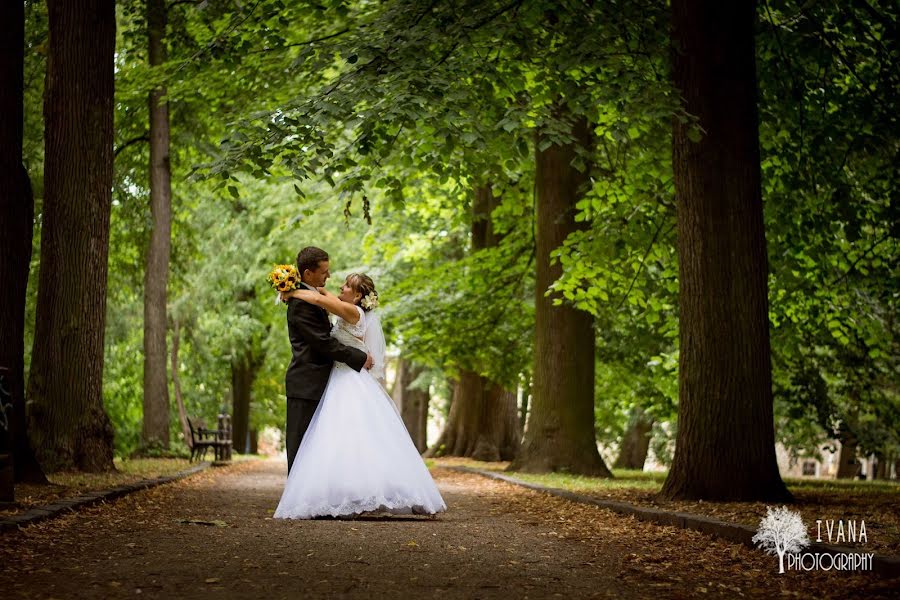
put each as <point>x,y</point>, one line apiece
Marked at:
<point>202,439</point>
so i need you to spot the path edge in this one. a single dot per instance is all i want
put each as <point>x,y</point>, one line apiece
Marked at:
<point>882,565</point>
<point>67,505</point>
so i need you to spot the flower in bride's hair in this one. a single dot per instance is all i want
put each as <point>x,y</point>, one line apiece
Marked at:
<point>370,301</point>
<point>283,278</point>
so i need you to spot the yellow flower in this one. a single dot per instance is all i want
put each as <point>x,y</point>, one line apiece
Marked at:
<point>283,278</point>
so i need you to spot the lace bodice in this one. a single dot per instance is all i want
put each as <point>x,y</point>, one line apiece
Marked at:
<point>351,334</point>
<point>365,334</point>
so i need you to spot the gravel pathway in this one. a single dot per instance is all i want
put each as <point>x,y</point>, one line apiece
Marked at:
<point>212,536</point>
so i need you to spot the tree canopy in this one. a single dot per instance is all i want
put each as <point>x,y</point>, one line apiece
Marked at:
<point>365,128</point>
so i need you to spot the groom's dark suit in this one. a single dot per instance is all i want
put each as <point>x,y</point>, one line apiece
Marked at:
<point>314,353</point>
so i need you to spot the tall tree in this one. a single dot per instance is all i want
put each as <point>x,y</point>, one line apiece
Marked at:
<point>560,431</point>
<point>412,402</point>
<point>635,441</point>
<point>67,423</point>
<point>725,448</point>
<point>156,389</point>
<point>848,461</point>
<point>16,222</point>
<point>243,372</point>
<point>246,359</point>
<point>176,384</point>
<point>482,421</point>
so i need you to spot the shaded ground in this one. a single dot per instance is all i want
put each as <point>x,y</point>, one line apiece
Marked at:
<point>67,485</point>
<point>496,541</point>
<point>873,502</point>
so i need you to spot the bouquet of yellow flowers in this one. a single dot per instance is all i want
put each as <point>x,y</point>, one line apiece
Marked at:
<point>284,278</point>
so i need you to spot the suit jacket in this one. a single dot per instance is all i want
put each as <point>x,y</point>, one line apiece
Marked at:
<point>314,351</point>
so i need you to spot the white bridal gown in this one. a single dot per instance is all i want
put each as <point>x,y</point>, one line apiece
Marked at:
<point>357,455</point>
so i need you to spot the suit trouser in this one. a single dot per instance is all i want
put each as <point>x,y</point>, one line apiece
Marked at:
<point>299,414</point>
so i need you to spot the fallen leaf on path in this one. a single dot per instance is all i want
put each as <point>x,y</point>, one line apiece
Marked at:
<point>215,523</point>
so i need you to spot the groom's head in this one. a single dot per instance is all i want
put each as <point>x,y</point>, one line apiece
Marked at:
<point>312,264</point>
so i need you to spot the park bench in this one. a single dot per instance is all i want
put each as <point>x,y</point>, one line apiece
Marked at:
<point>202,439</point>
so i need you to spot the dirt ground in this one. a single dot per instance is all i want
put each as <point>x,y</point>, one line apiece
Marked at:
<point>497,540</point>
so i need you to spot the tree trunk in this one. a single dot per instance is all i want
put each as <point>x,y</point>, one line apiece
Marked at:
<point>413,403</point>
<point>635,442</point>
<point>483,204</point>
<point>500,437</point>
<point>16,223</point>
<point>156,388</point>
<point>448,442</point>
<point>254,441</point>
<point>176,384</point>
<point>68,426</point>
<point>880,470</point>
<point>848,463</point>
<point>482,420</point>
<point>523,410</point>
<point>241,384</point>
<point>560,434</point>
<point>725,449</point>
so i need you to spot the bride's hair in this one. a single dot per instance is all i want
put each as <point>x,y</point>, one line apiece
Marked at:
<point>364,286</point>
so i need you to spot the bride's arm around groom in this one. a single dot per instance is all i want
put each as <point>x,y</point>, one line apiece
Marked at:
<point>328,301</point>
<point>309,322</point>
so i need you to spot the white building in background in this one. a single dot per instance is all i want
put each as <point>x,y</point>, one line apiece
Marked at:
<point>806,466</point>
<point>799,467</point>
<point>827,467</point>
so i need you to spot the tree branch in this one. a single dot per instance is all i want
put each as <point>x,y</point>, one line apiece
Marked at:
<point>177,2</point>
<point>219,38</point>
<point>857,261</point>
<point>662,221</point>
<point>306,43</point>
<point>141,138</point>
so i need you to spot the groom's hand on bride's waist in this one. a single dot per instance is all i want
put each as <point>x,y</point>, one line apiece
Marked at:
<point>369,362</point>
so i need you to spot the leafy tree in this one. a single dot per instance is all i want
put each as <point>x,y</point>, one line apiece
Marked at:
<point>828,132</point>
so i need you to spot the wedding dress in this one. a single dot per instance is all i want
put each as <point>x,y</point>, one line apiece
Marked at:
<point>357,455</point>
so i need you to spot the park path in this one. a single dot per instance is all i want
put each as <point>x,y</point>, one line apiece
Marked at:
<point>496,541</point>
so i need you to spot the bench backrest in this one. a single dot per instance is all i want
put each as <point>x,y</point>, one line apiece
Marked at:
<point>195,437</point>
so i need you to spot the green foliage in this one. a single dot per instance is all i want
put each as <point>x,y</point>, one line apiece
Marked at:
<point>829,153</point>
<point>364,128</point>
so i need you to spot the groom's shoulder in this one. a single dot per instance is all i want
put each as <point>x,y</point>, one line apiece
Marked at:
<point>298,302</point>
<point>298,305</point>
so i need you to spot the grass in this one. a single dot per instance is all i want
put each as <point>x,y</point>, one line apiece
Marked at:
<point>128,470</point>
<point>68,484</point>
<point>843,485</point>
<point>652,481</point>
<point>622,478</point>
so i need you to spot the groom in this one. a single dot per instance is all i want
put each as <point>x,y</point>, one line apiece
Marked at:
<point>314,351</point>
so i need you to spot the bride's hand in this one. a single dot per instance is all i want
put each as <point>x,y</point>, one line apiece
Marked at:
<point>305,295</point>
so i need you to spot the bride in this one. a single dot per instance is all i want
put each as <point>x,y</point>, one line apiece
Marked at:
<point>357,455</point>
